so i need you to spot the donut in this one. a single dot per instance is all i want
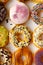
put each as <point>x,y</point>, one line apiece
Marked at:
<point>4,1</point>
<point>37,1</point>
<point>38,58</point>
<point>3,12</point>
<point>38,36</point>
<point>5,57</point>
<point>15,36</point>
<point>19,13</point>
<point>36,13</point>
<point>23,56</point>
<point>3,36</point>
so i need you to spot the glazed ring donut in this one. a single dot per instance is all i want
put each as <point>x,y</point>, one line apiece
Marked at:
<point>3,36</point>
<point>38,36</point>
<point>4,1</point>
<point>38,58</point>
<point>5,57</point>
<point>22,56</point>
<point>3,12</point>
<point>36,13</point>
<point>15,38</point>
<point>20,13</point>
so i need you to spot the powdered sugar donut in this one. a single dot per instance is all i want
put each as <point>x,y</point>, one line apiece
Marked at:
<point>19,13</point>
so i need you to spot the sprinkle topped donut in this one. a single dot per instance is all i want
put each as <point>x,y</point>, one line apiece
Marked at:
<point>3,12</point>
<point>19,13</point>
<point>16,33</point>
<point>5,57</point>
<point>37,9</point>
<point>38,36</point>
<point>39,57</point>
<point>3,36</point>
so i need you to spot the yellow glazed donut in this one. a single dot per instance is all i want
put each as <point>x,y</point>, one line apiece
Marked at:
<point>5,57</point>
<point>38,36</point>
<point>15,38</point>
<point>20,54</point>
<point>3,36</point>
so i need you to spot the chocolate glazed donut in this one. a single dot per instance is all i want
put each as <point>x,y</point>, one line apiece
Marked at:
<point>3,12</point>
<point>39,57</point>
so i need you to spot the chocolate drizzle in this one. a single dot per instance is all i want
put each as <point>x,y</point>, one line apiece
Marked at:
<point>3,12</point>
<point>5,57</point>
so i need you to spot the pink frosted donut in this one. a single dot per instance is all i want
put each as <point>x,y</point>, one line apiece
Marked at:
<point>19,13</point>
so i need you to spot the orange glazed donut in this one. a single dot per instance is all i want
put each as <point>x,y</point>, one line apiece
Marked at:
<point>22,56</point>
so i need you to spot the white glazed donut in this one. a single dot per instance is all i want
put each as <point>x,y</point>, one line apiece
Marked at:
<point>38,36</point>
<point>19,13</point>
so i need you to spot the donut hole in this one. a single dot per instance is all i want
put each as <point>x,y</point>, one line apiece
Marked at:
<point>23,58</point>
<point>41,37</point>
<point>41,58</point>
<point>20,37</point>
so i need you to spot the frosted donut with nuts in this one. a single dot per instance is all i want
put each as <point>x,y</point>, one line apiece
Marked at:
<point>19,13</point>
<point>16,40</point>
